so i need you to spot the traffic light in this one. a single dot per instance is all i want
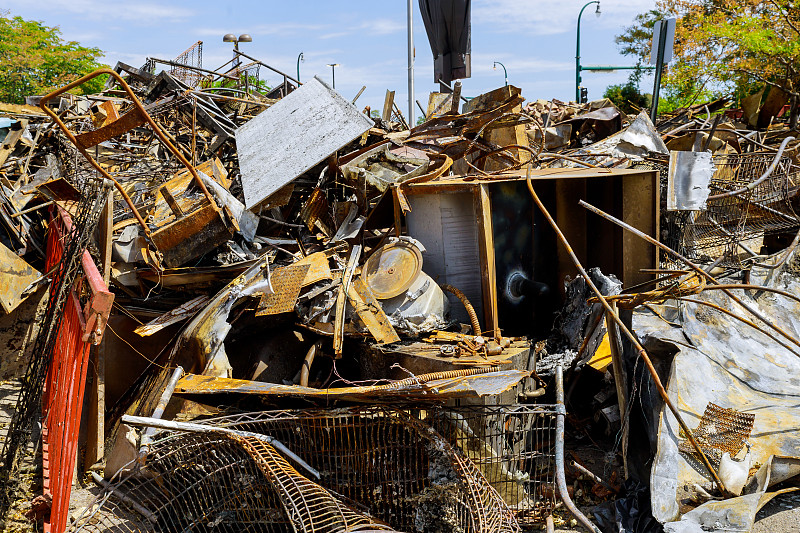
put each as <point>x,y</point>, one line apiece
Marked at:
<point>584,95</point>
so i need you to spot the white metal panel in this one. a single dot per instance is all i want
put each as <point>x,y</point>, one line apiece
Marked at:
<point>447,226</point>
<point>292,136</point>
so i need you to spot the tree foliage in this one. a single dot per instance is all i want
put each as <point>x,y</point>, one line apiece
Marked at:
<point>627,97</point>
<point>725,46</point>
<point>34,59</point>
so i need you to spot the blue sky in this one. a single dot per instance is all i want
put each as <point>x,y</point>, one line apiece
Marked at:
<point>534,39</point>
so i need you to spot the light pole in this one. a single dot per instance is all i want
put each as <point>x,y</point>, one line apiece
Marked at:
<point>505,72</point>
<point>299,59</point>
<point>333,72</point>
<point>410,28</point>
<point>231,38</point>
<point>578,49</point>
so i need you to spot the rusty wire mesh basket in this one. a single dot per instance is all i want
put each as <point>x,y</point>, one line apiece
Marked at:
<point>444,468</point>
<point>514,448</point>
<point>733,227</point>
<point>467,469</point>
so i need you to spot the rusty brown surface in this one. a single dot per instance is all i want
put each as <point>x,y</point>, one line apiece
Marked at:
<point>191,236</point>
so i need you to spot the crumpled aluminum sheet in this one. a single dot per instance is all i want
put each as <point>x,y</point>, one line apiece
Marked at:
<point>724,361</point>
<point>688,180</point>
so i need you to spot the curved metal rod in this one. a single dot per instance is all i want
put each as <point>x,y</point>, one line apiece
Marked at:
<point>305,370</point>
<point>641,352</point>
<point>138,105</point>
<point>473,316</point>
<point>561,481</point>
<point>741,319</point>
<point>745,286</point>
<point>764,176</point>
<point>689,263</point>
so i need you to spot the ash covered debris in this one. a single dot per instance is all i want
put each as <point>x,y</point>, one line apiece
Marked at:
<point>391,308</point>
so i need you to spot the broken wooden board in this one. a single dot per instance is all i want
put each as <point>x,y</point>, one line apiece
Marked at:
<point>286,282</point>
<point>292,136</point>
<point>174,316</point>
<point>16,276</point>
<point>371,312</point>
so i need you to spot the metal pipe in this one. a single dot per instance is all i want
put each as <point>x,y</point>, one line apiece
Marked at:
<point>305,370</point>
<point>549,526</point>
<point>200,428</point>
<point>561,481</point>
<point>473,316</point>
<point>764,176</point>
<point>148,514</point>
<point>410,13</point>
<point>138,105</point>
<point>641,352</point>
<point>269,67</point>
<point>689,263</point>
<point>190,67</point>
<point>158,412</point>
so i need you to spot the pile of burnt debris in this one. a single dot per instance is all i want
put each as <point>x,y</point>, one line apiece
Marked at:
<point>241,310</point>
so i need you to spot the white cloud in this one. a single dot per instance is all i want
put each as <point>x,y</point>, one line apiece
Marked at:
<point>142,12</point>
<point>383,26</point>
<point>277,28</point>
<point>549,18</point>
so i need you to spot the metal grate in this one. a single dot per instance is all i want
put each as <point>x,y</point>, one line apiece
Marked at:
<point>191,57</point>
<point>720,430</point>
<point>730,222</point>
<point>514,448</point>
<point>378,465</point>
<point>65,269</point>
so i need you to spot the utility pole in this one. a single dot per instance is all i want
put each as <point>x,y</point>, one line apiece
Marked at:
<point>410,13</point>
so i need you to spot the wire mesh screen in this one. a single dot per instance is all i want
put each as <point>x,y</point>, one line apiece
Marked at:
<point>380,467</point>
<point>514,448</point>
<point>191,57</point>
<point>734,227</point>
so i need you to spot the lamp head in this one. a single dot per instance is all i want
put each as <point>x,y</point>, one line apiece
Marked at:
<point>302,57</point>
<point>597,11</point>
<point>229,38</point>
<point>245,37</point>
<point>494,66</point>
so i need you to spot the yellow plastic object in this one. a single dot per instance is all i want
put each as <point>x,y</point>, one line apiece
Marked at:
<point>392,269</point>
<point>602,357</point>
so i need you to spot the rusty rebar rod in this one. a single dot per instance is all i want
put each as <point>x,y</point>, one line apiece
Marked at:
<point>641,352</point>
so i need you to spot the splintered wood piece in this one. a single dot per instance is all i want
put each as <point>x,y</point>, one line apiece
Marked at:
<point>286,282</point>
<point>371,312</point>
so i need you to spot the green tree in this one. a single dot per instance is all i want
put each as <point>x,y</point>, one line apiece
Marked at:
<point>726,46</point>
<point>627,97</point>
<point>34,59</point>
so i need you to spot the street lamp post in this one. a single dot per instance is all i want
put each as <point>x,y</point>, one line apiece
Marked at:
<point>578,49</point>
<point>299,59</point>
<point>231,38</point>
<point>333,72</point>
<point>505,72</point>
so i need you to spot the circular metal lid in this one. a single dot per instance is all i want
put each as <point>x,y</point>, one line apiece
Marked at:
<point>392,269</point>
